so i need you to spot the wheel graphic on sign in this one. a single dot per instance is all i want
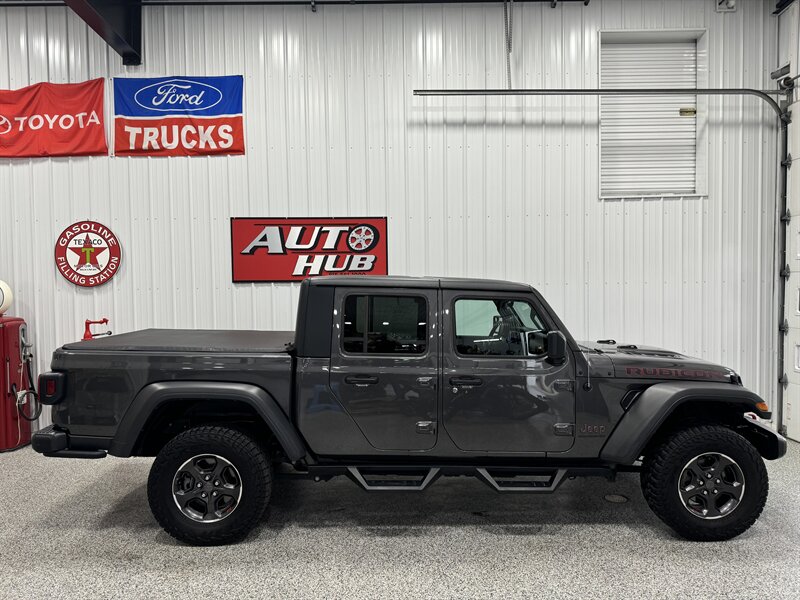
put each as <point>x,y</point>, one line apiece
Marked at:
<point>362,238</point>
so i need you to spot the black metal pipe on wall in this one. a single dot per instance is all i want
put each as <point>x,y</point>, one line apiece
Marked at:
<point>784,118</point>
<point>764,95</point>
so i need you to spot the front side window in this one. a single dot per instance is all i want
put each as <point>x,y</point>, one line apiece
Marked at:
<point>489,327</point>
<point>385,324</point>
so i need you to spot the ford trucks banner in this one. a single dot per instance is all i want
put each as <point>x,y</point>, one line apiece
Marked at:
<point>178,116</point>
<point>53,119</point>
<point>293,249</point>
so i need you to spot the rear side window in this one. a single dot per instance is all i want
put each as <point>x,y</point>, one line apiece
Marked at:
<point>489,327</point>
<point>385,324</point>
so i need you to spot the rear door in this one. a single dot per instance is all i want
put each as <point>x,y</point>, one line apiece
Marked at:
<point>499,395</point>
<point>385,364</point>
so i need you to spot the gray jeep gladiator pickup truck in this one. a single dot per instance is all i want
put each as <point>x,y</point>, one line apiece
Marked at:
<point>396,381</point>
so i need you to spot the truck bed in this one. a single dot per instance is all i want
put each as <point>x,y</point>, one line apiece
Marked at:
<point>106,374</point>
<point>191,340</point>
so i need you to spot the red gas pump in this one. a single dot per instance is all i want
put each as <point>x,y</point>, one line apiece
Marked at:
<point>17,394</point>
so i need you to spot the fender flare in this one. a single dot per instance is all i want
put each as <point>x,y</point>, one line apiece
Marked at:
<point>637,426</point>
<point>155,395</point>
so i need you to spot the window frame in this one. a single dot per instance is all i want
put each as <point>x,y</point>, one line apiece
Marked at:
<point>700,36</point>
<point>492,298</point>
<point>369,294</point>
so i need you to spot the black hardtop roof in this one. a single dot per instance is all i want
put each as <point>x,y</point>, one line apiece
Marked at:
<point>446,283</point>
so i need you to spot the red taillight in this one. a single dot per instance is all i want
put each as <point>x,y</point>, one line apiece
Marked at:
<point>51,387</point>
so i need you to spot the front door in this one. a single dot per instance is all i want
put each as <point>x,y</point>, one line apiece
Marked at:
<point>499,394</point>
<point>385,364</point>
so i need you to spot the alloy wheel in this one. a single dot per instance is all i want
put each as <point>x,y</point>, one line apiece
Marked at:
<point>711,485</point>
<point>207,488</point>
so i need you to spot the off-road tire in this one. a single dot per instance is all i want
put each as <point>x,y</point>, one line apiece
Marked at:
<point>662,468</point>
<point>244,453</point>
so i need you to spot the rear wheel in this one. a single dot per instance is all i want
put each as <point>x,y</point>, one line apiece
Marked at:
<point>708,483</point>
<point>209,486</point>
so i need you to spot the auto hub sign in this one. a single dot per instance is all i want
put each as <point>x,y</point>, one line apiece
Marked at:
<point>53,119</point>
<point>273,249</point>
<point>178,116</point>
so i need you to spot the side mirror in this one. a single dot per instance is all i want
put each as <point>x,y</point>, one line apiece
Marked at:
<point>556,348</point>
<point>536,343</point>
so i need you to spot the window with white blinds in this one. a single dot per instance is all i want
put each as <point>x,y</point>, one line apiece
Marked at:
<point>648,144</point>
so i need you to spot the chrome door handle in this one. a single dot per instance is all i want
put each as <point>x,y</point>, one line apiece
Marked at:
<point>426,381</point>
<point>426,426</point>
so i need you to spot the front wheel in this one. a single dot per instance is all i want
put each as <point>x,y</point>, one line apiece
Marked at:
<point>209,486</point>
<point>708,483</point>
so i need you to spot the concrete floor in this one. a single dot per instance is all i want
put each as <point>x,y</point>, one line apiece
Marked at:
<point>82,529</point>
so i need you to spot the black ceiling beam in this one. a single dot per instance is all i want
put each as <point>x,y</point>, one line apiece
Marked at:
<point>323,2</point>
<point>118,22</point>
<point>27,3</point>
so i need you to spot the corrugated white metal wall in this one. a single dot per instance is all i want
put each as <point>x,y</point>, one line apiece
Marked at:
<point>496,187</point>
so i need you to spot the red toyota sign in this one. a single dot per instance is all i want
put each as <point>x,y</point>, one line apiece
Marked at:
<point>53,119</point>
<point>270,249</point>
<point>88,254</point>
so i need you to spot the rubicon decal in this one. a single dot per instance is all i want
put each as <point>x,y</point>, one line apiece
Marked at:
<point>177,116</point>
<point>88,254</point>
<point>50,119</point>
<point>272,249</point>
<point>660,372</point>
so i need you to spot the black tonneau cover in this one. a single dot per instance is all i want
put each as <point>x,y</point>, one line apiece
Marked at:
<point>191,340</point>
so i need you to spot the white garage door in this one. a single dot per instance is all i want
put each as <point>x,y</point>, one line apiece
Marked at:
<point>648,143</point>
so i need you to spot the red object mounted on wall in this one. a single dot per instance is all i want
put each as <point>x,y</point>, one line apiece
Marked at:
<point>53,119</point>
<point>87,329</point>
<point>15,431</point>
<point>277,249</point>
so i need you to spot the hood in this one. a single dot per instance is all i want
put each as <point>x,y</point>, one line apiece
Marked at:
<point>646,362</point>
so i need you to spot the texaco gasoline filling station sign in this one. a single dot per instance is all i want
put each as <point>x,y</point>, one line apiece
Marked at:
<point>88,254</point>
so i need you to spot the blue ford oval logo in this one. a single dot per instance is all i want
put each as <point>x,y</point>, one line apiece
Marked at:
<point>181,95</point>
